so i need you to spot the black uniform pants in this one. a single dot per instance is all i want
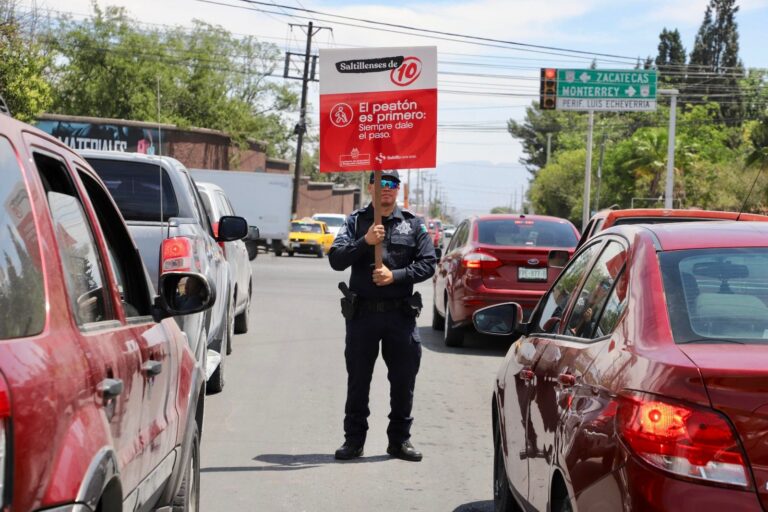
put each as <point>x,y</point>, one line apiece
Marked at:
<point>401,350</point>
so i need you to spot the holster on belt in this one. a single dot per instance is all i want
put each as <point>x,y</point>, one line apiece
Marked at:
<point>412,305</point>
<point>349,301</point>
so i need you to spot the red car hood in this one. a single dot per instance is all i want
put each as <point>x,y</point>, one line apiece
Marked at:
<point>736,378</point>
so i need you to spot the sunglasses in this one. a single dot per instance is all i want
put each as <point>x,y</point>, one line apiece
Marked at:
<point>392,185</point>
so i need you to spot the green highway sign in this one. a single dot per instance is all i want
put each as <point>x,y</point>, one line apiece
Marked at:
<point>612,90</point>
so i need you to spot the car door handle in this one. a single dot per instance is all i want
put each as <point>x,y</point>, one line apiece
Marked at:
<point>152,367</point>
<point>527,374</point>
<point>110,388</point>
<point>566,380</point>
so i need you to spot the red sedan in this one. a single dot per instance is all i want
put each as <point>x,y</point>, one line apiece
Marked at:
<point>493,259</point>
<point>639,382</point>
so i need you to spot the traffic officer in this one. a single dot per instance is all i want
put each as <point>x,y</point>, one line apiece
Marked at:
<point>383,309</point>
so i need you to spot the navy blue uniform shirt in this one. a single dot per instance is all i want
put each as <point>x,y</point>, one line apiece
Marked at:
<point>407,251</point>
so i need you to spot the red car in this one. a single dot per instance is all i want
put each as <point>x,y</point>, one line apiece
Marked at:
<point>101,398</point>
<point>492,259</point>
<point>607,218</point>
<point>639,382</point>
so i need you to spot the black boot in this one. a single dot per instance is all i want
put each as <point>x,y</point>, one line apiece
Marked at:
<point>404,451</point>
<point>349,451</point>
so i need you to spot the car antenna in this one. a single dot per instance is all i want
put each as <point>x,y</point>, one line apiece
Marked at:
<point>159,164</point>
<point>744,205</point>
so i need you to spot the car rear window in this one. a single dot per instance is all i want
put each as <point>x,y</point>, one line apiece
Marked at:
<point>22,297</point>
<point>301,227</point>
<point>334,222</point>
<point>135,187</point>
<point>525,233</point>
<point>717,295</point>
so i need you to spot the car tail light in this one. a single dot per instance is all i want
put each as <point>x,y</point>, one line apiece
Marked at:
<point>216,235</point>
<point>176,254</point>
<point>686,440</point>
<point>5,417</point>
<point>480,261</point>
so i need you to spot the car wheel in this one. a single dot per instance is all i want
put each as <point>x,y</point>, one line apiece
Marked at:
<point>453,336</point>
<point>320,252</point>
<point>278,252</point>
<point>290,253</point>
<point>188,497</point>
<point>438,322</point>
<point>503,501</point>
<point>241,320</point>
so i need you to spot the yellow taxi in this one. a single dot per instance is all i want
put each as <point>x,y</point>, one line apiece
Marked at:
<point>309,236</point>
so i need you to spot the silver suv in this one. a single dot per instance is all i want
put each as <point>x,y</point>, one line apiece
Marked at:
<point>166,218</point>
<point>217,205</point>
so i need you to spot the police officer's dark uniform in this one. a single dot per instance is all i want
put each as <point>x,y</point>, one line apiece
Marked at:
<point>386,314</point>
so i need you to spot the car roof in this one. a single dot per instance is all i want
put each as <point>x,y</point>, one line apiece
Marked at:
<point>611,216</point>
<point>131,157</point>
<point>338,215</point>
<point>701,235</point>
<point>208,186</point>
<point>518,216</point>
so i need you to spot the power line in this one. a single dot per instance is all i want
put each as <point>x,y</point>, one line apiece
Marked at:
<point>417,34</point>
<point>441,32</point>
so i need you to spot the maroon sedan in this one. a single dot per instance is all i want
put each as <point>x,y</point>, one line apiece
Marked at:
<point>640,381</point>
<point>493,259</point>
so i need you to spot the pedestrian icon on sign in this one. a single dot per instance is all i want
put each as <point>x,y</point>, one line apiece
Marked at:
<point>341,115</point>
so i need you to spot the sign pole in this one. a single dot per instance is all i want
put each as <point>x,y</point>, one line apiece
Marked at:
<point>588,172</point>
<point>669,187</point>
<point>377,256</point>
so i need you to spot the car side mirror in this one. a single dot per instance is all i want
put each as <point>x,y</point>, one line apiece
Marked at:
<point>253,234</point>
<point>232,228</point>
<point>498,320</point>
<point>183,293</point>
<point>558,258</point>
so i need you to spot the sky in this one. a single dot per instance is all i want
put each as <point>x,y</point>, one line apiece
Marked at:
<point>480,86</point>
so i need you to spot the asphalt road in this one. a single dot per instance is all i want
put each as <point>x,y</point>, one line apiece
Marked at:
<point>269,437</point>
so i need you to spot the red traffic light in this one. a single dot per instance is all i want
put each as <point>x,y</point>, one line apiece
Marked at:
<point>550,73</point>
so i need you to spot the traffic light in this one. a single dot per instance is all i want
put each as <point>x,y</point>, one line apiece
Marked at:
<point>548,89</point>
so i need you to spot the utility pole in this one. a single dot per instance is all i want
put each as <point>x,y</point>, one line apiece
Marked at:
<point>600,169</point>
<point>669,186</point>
<point>301,126</point>
<point>588,171</point>
<point>549,145</point>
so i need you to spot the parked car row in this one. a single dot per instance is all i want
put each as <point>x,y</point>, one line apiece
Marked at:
<point>115,295</point>
<point>635,376</point>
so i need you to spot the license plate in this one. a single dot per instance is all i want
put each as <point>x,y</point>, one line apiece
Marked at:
<point>532,274</point>
<point>296,245</point>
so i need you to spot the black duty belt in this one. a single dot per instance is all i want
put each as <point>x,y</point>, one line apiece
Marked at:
<point>381,305</point>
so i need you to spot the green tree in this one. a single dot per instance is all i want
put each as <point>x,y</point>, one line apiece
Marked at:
<point>501,209</point>
<point>715,68</point>
<point>112,67</point>
<point>670,61</point>
<point>23,63</point>
<point>532,134</point>
<point>558,188</point>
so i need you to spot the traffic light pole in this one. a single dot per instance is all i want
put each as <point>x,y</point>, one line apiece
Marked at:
<point>588,172</point>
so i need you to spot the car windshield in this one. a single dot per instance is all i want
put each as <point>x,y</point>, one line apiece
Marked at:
<point>301,227</point>
<point>333,222</point>
<point>135,187</point>
<point>525,233</point>
<point>717,295</point>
